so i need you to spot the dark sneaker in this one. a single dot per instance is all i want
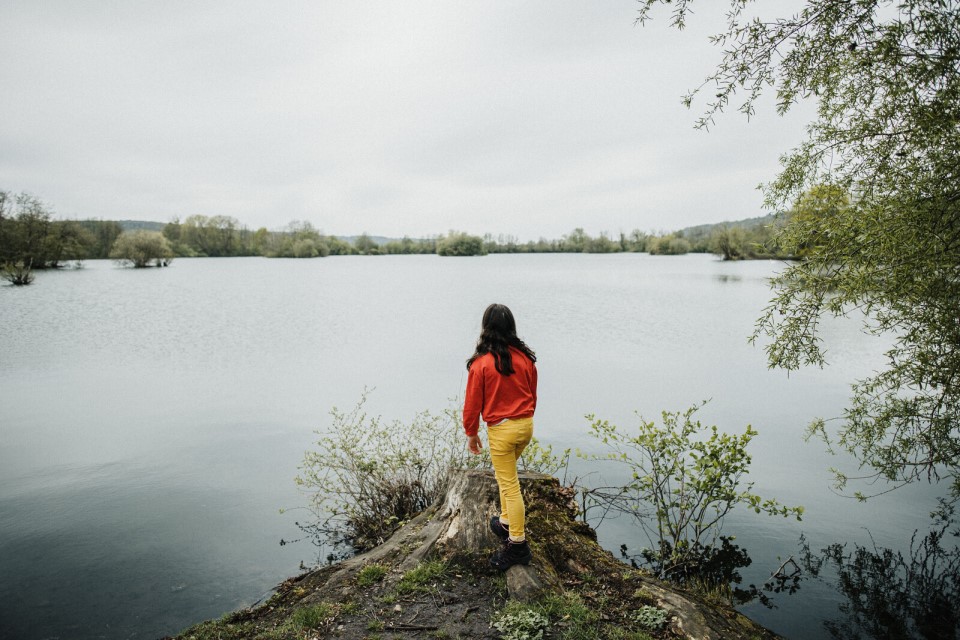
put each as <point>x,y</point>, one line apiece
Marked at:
<point>498,529</point>
<point>511,554</point>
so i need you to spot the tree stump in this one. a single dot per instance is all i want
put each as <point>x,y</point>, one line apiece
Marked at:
<point>565,552</point>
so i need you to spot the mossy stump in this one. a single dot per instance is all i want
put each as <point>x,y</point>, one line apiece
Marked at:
<point>431,578</point>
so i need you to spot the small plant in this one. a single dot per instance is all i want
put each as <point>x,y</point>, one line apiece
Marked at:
<point>540,458</point>
<point>685,479</point>
<point>375,625</point>
<point>518,621</point>
<point>520,624</point>
<point>650,618</point>
<point>313,616</point>
<point>368,476</point>
<point>371,574</point>
<point>417,579</point>
<point>568,606</point>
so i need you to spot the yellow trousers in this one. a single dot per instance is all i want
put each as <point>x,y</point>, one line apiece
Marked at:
<point>507,441</point>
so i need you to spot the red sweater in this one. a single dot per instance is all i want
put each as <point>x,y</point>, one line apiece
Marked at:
<point>498,397</point>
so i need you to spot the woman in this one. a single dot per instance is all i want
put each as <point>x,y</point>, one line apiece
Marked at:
<point>502,388</point>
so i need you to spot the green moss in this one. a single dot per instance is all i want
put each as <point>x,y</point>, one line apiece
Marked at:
<point>644,596</point>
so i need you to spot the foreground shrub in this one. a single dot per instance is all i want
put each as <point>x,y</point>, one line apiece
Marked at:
<point>367,476</point>
<point>685,479</point>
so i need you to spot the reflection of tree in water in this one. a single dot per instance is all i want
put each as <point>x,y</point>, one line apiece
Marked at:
<point>889,596</point>
<point>713,571</point>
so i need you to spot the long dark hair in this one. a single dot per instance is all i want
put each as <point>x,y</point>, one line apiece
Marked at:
<point>498,332</point>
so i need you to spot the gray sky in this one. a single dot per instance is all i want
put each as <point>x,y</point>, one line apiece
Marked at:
<point>523,118</point>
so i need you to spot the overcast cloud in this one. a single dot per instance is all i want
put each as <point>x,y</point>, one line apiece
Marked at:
<point>522,118</point>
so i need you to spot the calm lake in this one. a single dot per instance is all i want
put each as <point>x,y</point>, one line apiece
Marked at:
<point>152,421</point>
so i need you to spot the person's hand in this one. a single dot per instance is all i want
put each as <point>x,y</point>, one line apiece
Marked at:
<point>474,445</point>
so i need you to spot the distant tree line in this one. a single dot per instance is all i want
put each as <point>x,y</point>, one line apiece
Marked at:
<point>225,236</point>
<point>31,239</point>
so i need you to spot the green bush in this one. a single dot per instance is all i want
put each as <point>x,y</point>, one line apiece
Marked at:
<point>460,244</point>
<point>17,273</point>
<point>368,476</point>
<point>539,458</point>
<point>685,479</point>
<point>142,249</point>
<point>668,245</point>
<point>305,248</point>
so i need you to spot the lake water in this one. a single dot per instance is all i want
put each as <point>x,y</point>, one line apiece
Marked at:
<point>152,421</point>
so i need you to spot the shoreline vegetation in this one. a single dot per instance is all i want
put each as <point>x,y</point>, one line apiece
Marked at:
<point>31,239</point>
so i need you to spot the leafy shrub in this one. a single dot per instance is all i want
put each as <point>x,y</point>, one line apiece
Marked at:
<point>142,249</point>
<point>17,273</point>
<point>367,476</point>
<point>460,244</point>
<point>685,479</point>
<point>539,458</point>
<point>668,245</point>
<point>305,248</point>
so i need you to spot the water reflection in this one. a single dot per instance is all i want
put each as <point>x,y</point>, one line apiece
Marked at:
<point>889,596</point>
<point>715,571</point>
<point>330,544</point>
<point>727,277</point>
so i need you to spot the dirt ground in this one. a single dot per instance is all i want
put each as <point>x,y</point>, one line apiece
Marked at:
<point>454,604</point>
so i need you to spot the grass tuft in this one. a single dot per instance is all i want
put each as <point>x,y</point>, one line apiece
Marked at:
<point>313,616</point>
<point>371,574</point>
<point>418,579</point>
